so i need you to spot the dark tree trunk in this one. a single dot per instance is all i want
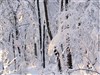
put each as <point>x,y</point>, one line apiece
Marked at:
<point>59,64</point>
<point>25,52</point>
<point>35,49</point>
<point>25,47</point>
<point>47,20</point>
<point>61,5</point>
<point>15,23</point>
<point>68,51</point>
<point>9,36</point>
<point>58,59</point>
<point>39,20</point>
<point>17,33</point>
<point>66,2</point>
<point>44,46</point>
<point>13,46</point>
<point>62,47</point>
<point>69,60</point>
<point>19,51</point>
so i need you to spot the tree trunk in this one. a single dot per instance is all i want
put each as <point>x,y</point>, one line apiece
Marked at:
<point>35,49</point>
<point>47,20</point>
<point>69,60</point>
<point>58,59</point>
<point>39,20</point>
<point>25,47</point>
<point>61,5</point>
<point>13,46</point>
<point>44,46</point>
<point>19,51</point>
<point>66,3</point>
<point>59,64</point>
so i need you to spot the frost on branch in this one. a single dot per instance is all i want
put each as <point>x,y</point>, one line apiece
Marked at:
<point>49,37</point>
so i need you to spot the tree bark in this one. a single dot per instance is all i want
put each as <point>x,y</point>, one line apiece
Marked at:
<point>13,46</point>
<point>44,46</point>
<point>61,5</point>
<point>66,3</point>
<point>69,60</point>
<point>39,20</point>
<point>58,59</point>
<point>35,49</point>
<point>47,20</point>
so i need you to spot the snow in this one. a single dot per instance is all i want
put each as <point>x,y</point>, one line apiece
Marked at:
<point>76,28</point>
<point>32,71</point>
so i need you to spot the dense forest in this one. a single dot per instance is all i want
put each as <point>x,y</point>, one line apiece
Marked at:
<point>49,37</point>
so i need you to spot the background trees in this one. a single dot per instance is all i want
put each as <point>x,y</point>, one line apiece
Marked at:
<point>31,31</point>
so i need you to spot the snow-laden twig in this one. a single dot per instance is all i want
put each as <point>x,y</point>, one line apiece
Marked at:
<point>12,61</point>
